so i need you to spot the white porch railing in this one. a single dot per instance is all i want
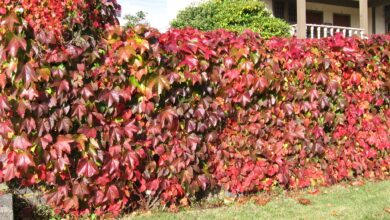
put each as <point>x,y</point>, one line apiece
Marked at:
<point>320,30</point>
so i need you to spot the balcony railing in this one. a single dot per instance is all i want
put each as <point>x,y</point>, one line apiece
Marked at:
<point>320,30</point>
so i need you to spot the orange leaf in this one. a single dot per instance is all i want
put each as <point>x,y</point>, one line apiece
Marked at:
<point>357,183</point>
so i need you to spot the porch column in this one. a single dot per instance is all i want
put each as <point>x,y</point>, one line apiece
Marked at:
<point>301,18</point>
<point>373,20</point>
<point>363,13</point>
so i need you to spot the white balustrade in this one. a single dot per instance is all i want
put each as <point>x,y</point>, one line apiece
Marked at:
<point>319,31</point>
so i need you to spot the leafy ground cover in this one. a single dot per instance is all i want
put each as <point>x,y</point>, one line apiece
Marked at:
<point>369,201</point>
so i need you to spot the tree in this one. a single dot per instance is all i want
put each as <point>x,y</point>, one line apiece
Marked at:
<point>233,15</point>
<point>138,18</point>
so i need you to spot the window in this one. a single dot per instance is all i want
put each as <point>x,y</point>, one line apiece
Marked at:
<point>314,17</point>
<point>292,12</point>
<point>279,9</point>
<point>342,20</point>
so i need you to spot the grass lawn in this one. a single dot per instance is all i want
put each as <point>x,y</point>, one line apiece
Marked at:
<point>368,201</point>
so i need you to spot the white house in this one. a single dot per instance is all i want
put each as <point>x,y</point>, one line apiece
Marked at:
<point>319,18</point>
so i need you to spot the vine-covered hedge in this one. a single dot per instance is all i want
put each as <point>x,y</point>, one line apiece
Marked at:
<point>103,121</point>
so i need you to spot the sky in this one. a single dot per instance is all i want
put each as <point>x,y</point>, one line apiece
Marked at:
<point>159,12</point>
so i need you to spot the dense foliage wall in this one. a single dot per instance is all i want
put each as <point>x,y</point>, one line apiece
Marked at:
<point>233,15</point>
<point>127,119</point>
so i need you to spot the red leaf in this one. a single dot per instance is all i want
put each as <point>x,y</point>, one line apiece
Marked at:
<point>112,166</point>
<point>192,141</point>
<point>203,181</point>
<point>356,78</point>
<point>322,78</point>
<point>313,93</point>
<point>9,172</point>
<point>16,43</point>
<point>167,116</point>
<point>300,75</point>
<point>116,134</point>
<point>24,160</point>
<point>244,99</point>
<point>61,163</point>
<point>4,106</point>
<point>63,144</point>
<point>124,53</point>
<point>190,61</point>
<point>247,66</point>
<point>88,132</point>
<point>112,193</point>
<point>10,20</point>
<point>79,110</point>
<point>46,37</point>
<point>132,159</point>
<point>65,124</point>
<point>80,190</point>
<point>3,80</point>
<point>191,126</point>
<point>160,82</point>
<point>232,74</point>
<point>130,129</point>
<point>57,196</point>
<point>22,106</point>
<point>288,108</point>
<point>110,97</point>
<point>3,11</point>
<point>188,175</point>
<point>46,140</point>
<point>5,127</point>
<point>63,87</point>
<point>261,84</point>
<point>99,197</point>
<point>332,87</point>
<point>193,77</point>
<point>28,74</point>
<point>12,67</point>
<point>86,168</point>
<point>146,107</point>
<point>228,62</point>
<point>71,203</point>
<point>21,142</point>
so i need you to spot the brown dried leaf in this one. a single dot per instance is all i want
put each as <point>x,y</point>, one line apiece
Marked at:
<point>304,201</point>
<point>314,192</point>
<point>173,208</point>
<point>261,201</point>
<point>184,202</point>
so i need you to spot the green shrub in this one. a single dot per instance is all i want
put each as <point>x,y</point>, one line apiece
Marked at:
<point>233,15</point>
